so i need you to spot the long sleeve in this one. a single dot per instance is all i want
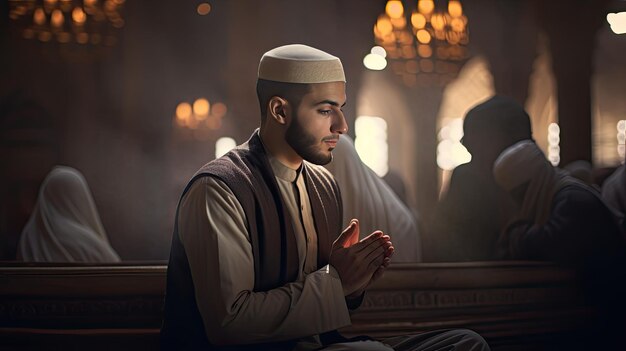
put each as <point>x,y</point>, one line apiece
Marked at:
<point>213,232</point>
<point>579,228</point>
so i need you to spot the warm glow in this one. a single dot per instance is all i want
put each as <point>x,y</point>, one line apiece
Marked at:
<point>418,20</point>
<point>57,18</point>
<point>453,37</point>
<point>438,21</point>
<point>384,25</point>
<point>89,3</point>
<point>454,8</point>
<point>423,36</point>
<point>374,62</point>
<point>20,10</point>
<point>405,38</point>
<point>377,33</point>
<point>394,8</point>
<point>379,50</point>
<point>457,25</point>
<point>204,9</point>
<point>223,145</point>
<point>183,111</point>
<point>371,143</point>
<point>408,51</point>
<point>109,6</point>
<point>617,22</point>
<point>398,23</point>
<point>424,51</point>
<point>39,16</point>
<point>426,6</point>
<point>219,109</point>
<point>201,108</point>
<point>78,15</point>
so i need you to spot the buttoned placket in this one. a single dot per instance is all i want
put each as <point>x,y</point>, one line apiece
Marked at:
<point>306,217</point>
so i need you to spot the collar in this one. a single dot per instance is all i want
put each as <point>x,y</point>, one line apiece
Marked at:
<point>280,170</point>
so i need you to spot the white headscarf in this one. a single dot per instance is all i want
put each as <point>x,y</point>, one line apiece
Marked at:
<point>523,163</point>
<point>65,225</point>
<point>368,198</point>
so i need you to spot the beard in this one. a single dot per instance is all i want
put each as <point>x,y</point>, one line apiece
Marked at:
<point>305,144</point>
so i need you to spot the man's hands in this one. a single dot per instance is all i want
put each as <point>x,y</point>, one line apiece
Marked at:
<point>360,263</point>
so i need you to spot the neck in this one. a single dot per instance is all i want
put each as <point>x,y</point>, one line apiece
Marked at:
<point>276,145</point>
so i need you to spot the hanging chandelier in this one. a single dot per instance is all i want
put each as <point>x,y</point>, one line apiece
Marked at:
<point>92,22</point>
<point>426,47</point>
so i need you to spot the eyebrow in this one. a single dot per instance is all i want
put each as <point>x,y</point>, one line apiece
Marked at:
<point>330,102</point>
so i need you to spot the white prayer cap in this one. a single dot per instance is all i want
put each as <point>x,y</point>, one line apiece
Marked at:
<point>299,63</point>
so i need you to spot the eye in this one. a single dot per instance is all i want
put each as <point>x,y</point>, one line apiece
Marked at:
<point>325,112</point>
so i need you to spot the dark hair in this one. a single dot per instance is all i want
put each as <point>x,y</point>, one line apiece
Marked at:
<point>292,92</point>
<point>499,116</point>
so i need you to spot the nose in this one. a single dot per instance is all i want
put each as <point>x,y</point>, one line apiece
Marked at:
<point>339,125</point>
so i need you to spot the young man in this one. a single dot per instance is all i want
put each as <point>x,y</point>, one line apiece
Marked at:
<point>258,257</point>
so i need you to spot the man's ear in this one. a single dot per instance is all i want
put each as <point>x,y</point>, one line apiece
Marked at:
<point>278,109</point>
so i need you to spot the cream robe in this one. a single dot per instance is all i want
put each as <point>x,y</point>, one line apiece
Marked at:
<point>213,232</point>
<point>65,225</point>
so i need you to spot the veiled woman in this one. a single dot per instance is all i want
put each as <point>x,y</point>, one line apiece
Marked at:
<point>65,225</point>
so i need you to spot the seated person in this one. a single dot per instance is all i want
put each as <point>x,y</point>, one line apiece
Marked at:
<point>259,260</point>
<point>65,225</point>
<point>366,196</point>
<point>473,211</point>
<point>561,219</point>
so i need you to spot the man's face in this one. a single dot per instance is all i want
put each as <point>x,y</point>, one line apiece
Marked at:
<point>318,121</point>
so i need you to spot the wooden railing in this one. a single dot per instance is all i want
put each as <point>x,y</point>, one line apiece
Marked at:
<point>514,305</point>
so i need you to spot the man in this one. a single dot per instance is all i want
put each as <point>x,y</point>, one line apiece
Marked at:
<point>473,211</point>
<point>254,262</point>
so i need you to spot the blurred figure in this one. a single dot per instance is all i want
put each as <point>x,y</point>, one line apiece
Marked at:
<point>565,221</point>
<point>65,225</point>
<point>561,219</point>
<point>366,196</point>
<point>614,190</point>
<point>471,214</point>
